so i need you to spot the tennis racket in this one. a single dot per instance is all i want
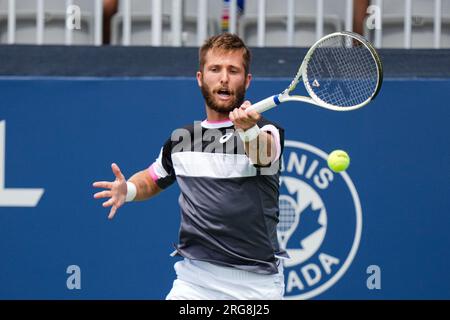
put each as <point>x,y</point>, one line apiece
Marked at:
<point>341,72</point>
<point>288,219</point>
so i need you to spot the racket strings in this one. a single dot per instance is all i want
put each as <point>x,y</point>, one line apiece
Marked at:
<point>287,217</point>
<point>342,72</point>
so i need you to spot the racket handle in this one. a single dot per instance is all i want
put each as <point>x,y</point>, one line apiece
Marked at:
<point>265,104</point>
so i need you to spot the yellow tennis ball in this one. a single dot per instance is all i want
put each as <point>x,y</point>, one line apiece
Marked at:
<point>338,160</point>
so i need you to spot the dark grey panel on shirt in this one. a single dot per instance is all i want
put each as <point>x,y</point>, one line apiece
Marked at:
<point>230,221</point>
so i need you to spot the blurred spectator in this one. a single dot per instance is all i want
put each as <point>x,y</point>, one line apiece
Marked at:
<point>225,22</point>
<point>109,9</point>
<point>359,14</point>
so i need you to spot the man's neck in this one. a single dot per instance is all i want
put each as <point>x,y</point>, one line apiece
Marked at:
<point>214,116</point>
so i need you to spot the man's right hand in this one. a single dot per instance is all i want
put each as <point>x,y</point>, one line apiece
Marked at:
<point>117,191</point>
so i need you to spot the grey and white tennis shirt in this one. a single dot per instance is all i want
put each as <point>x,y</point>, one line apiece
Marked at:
<point>229,206</point>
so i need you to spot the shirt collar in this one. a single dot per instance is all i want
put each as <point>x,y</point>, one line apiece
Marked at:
<point>216,124</point>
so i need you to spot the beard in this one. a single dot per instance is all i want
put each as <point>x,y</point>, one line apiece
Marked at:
<point>237,95</point>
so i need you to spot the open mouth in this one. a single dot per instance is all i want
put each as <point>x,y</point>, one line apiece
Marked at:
<point>224,94</point>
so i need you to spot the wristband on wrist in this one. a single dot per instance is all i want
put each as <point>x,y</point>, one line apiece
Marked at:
<point>131,191</point>
<point>249,134</point>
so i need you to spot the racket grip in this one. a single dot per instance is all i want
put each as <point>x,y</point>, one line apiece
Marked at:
<point>265,104</point>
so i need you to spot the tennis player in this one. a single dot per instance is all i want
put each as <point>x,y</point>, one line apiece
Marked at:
<point>227,168</point>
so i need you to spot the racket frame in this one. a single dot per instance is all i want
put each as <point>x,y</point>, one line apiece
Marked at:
<point>275,100</point>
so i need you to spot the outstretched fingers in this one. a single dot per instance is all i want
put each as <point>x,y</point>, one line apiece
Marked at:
<point>115,191</point>
<point>103,194</point>
<point>102,184</point>
<point>116,170</point>
<point>112,212</point>
<point>108,203</point>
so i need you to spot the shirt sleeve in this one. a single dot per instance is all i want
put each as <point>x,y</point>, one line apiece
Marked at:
<point>277,133</point>
<point>161,170</point>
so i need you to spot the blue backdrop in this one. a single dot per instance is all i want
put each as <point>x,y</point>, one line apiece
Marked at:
<point>63,133</point>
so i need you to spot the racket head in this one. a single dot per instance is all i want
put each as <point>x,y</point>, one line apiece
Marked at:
<point>288,218</point>
<point>342,72</point>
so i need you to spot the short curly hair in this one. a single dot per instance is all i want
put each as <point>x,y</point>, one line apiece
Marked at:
<point>228,42</point>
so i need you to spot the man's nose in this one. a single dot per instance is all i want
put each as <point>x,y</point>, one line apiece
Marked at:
<point>224,76</point>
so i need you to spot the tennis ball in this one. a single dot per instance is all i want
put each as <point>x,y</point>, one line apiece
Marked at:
<point>338,160</point>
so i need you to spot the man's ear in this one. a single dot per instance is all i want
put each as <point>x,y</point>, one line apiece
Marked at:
<point>199,78</point>
<point>248,80</point>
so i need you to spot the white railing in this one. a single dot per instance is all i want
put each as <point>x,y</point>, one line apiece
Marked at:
<point>98,11</point>
<point>202,25</point>
<point>126,25</point>
<point>11,21</point>
<point>349,15</point>
<point>176,21</point>
<point>378,28</point>
<point>40,21</point>
<point>407,23</point>
<point>437,23</point>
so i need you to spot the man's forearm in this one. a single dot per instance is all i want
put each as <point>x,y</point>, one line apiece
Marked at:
<point>145,186</point>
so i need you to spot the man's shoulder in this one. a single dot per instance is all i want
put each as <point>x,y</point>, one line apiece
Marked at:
<point>184,133</point>
<point>188,128</point>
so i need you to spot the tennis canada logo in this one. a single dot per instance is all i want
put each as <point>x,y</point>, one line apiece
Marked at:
<point>320,221</point>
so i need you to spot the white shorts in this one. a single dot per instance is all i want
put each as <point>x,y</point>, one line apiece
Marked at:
<point>199,280</point>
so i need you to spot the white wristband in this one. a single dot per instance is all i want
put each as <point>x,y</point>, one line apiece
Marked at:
<point>249,134</point>
<point>131,191</point>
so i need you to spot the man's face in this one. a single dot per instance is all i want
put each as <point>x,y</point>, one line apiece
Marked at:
<point>223,81</point>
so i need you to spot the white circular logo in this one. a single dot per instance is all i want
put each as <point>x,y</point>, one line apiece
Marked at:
<point>320,221</point>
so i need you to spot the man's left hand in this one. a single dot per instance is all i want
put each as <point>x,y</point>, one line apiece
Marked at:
<point>242,119</point>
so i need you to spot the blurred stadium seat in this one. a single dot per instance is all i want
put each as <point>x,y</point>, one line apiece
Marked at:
<point>304,26</point>
<point>54,22</point>
<point>141,22</point>
<point>422,25</point>
<point>190,20</point>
